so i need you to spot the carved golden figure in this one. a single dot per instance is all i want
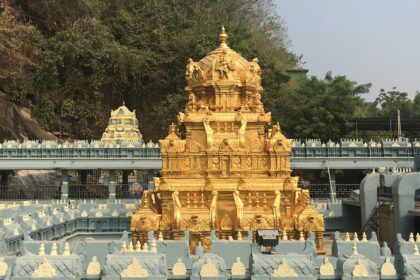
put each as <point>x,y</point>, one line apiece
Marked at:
<point>213,209</point>
<point>229,173</point>
<point>276,208</point>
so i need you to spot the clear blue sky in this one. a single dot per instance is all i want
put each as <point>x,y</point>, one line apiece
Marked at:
<point>376,41</point>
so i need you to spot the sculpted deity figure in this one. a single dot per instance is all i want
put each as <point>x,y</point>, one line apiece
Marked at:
<point>180,117</point>
<point>254,72</point>
<point>239,208</point>
<point>258,104</point>
<point>241,131</point>
<point>276,208</point>
<point>295,181</point>
<point>213,209</point>
<point>191,106</point>
<point>224,67</point>
<point>209,132</point>
<point>177,208</point>
<point>197,72</point>
<point>189,69</point>
<point>193,71</point>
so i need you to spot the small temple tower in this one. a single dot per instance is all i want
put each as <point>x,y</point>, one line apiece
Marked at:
<point>231,172</point>
<point>123,126</point>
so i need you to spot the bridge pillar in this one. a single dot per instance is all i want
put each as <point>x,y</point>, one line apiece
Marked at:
<point>150,174</point>
<point>4,183</point>
<point>333,190</point>
<point>112,185</point>
<point>64,185</point>
<point>83,177</point>
<point>125,177</point>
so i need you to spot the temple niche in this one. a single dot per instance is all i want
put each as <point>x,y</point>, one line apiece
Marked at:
<point>231,172</point>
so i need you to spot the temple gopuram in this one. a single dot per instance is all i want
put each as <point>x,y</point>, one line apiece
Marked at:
<point>230,172</point>
<point>123,126</point>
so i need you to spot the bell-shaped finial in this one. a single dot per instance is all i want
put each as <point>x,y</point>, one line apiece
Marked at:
<point>223,38</point>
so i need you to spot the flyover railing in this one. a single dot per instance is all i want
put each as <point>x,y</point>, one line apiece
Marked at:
<point>355,148</point>
<point>300,149</point>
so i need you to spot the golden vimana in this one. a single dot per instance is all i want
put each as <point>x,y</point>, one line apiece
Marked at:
<point>229,174</point>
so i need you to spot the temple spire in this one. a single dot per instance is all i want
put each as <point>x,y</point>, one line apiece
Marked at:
<point>223,38</point>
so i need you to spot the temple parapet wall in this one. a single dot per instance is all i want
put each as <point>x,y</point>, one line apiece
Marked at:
<point>353,257</point>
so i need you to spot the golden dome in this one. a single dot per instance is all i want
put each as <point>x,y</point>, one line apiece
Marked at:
<point>223,63</point>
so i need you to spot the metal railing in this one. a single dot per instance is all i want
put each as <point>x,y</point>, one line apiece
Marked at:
<point>45,193</point>
<point>127,191</point>
<point>123,191</point>
<point>88,191</point>
<point>323,190</point>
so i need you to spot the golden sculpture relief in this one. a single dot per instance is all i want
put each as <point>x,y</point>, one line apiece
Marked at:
<point>231,172</point>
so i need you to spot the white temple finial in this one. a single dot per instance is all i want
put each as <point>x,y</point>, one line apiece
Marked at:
<point>354,249</point>
<point>66,251</point>
<point>41,251</point>
<point>284,235</point>
<point>416,250</point>
<point>53,249</point>
<point>153,248</point>
<point>301,236</point>
<point>123,247</point>
<point>347,237</point>
<point>411,238</point>
<point>355,237</point>
<point>239,235</point>
<point>364,237</point>
<point>145,247</point>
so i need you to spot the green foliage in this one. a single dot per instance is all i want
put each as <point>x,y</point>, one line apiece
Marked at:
<point>73,61</point>
<point>97,53</point>
<point>320,108</point>
<point>392,101</point>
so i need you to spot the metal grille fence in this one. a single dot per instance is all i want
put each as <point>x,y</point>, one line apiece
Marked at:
<point>323,190</point>
<point>44,193</point>
<point>88,191</point>
<point>128,191</point>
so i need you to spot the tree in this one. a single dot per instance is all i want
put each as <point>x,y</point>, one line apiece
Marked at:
<point>99,53</point>
<point>391,101</point>
<point>320,108</point>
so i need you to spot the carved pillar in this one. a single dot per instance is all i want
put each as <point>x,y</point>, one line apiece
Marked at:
<point>125,182</point>
<point>64,185</point>
<point>3,183</point>
<point>150,174</point>
<point>112,185</point>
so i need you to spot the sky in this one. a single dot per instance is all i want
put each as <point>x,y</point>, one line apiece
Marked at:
<point>369,41</point>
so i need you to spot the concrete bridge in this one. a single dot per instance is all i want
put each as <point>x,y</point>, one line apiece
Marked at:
<point>81,156</point>
<point>307,154</point>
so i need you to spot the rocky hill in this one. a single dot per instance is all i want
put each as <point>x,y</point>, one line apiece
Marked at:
<point>16,123</point>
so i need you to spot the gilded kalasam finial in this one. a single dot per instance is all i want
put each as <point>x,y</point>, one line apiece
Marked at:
<point>223,38</point>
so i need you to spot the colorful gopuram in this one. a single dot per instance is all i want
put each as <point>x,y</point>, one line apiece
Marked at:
<point>123,126</point>
<point>229,171</point>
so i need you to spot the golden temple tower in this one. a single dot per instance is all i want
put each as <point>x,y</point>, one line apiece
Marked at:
<point>231,172</point>
<point>123,126</point>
